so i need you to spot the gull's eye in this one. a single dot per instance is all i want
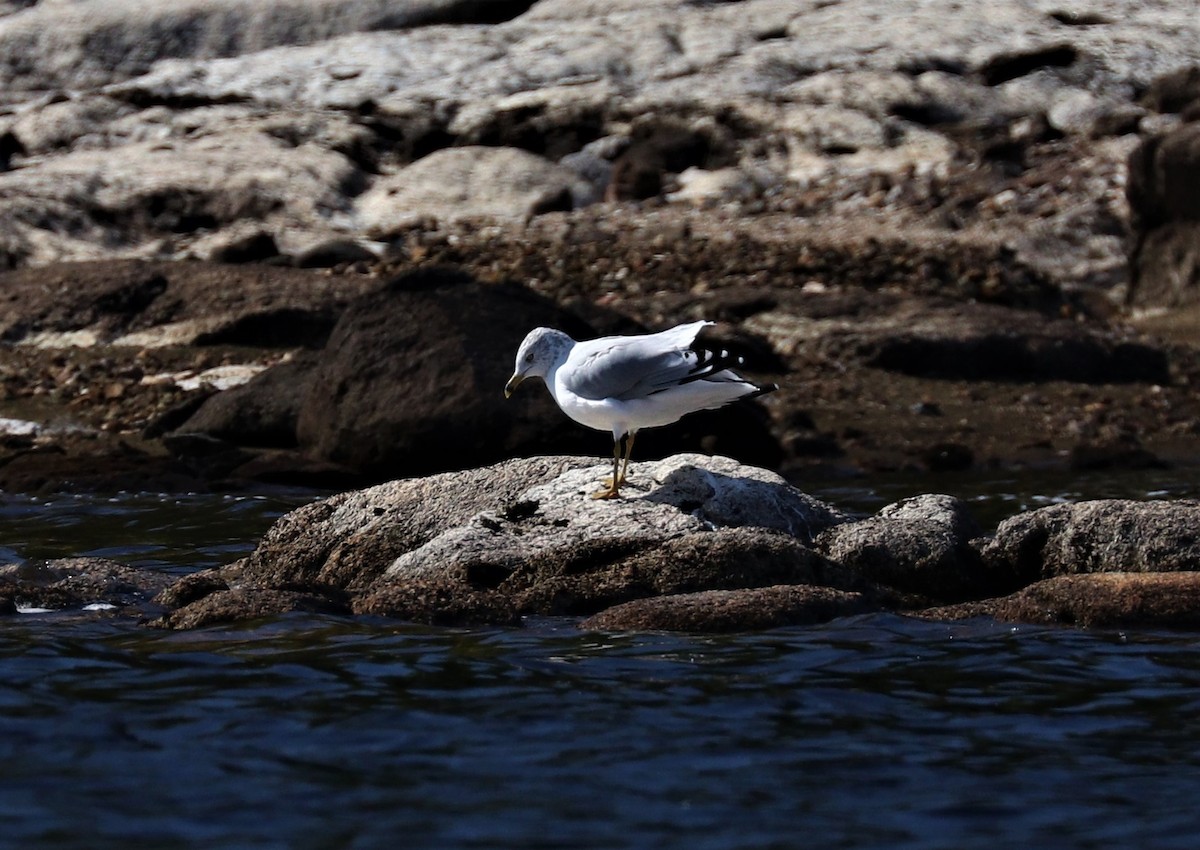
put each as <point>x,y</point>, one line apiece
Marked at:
<point>529,357</point>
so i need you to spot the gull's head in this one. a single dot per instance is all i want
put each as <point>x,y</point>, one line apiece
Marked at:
<point>542,350</point>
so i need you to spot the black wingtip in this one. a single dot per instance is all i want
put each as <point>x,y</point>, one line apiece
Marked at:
<point>762,389</point>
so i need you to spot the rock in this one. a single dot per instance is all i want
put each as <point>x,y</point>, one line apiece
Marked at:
<point>468,182</point>
<point>1160,171</point>
<point>1165,259</point>
<point>1173,92</point>
<point>1110,600</point>
<point>731,610</point>
<point>918,546</point>
<point>1103,536</point>
<point>73,583</point>
<point>240,604</point>
<point>952,340</point>
<point>333,252</point>
<point>411,383</point>
<point>261,412</point>
<point>192,587</point>
<point>150,304</point>
<point>523,537</point>
<point>347,541</point>
<point>253,247</point>
<point>157,196</point>
<point>90,43</point>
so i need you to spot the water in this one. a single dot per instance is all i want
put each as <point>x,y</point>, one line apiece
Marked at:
<point>318,732</point>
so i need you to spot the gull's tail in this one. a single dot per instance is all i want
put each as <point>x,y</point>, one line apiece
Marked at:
<point>717,364</point>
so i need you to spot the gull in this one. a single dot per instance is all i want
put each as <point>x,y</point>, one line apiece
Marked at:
<point>625,383</point>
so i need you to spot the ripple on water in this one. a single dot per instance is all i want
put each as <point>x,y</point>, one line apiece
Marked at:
<point>874,731</point>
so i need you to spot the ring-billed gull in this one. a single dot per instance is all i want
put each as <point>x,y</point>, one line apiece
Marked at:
<point>625,383</point>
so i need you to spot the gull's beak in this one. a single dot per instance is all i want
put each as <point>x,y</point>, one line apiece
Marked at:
<point>512,384</point>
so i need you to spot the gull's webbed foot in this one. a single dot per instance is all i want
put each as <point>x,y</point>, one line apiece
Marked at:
<point>609,491</point>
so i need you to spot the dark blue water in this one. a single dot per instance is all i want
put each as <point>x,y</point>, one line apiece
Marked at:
<point>314,732</point>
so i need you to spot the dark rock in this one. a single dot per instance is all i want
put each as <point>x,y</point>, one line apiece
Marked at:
<point>72,583</point>
<point>174,303</point>
<point>334,252</point>
<point>1165,266</point>
<point>951,340</point>
<point>1162,171</point>
<point>1165,259</point>
<point>920,546</point>
<point>660,148</point>
<point>1110,600</point>
<point>1108,535</point>
<point>192,587</point>
<point>10,146</point>
<point>1008,66</point>
<point>226,606</point>
<point>1112,454</point>
<point>1173,92</point>
<point>80,464</point>
<point>412,380</point>
<point>252,248</point>
<point>948,457</point>
<point>731,610</point>
<point>261,412</point>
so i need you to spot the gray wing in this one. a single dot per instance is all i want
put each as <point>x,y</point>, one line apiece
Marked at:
<point>637,366</point>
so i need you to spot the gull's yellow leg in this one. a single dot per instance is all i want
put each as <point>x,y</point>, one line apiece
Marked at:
<point>611,485</point>
<point>628,453</point>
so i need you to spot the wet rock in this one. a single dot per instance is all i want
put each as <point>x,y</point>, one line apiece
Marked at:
<point>74,583</point>
<point>731,610</point>
<point>1103,536</point>
<point>918,546</point>
<point>1110,600</point>
<point>192,587</point>
<point>82,462</point>
<point>249,603</point>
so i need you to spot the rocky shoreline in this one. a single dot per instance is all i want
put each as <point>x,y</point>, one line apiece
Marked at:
<point>698,543</point>
<point>241,255</point>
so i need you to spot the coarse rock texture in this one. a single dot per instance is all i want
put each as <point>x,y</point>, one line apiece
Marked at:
<point>494,182</point>
<point>149,129</point>
<point>1108,535</point>
<point>524,537</point>
<point>1168,600</point>
<point>731,610</point>
<point>920,546</point>
<point>74,583</point>
<point>696,543</point>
